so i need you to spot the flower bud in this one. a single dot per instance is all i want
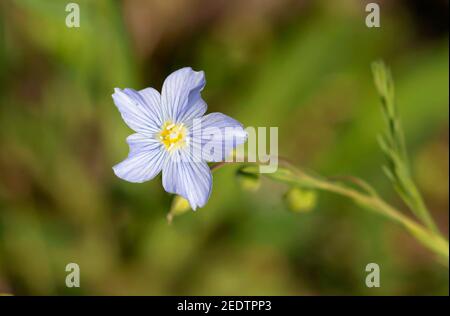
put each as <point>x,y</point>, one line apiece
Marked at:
<point>179,206</point>
<point>300,200</point>
<point>248,181</point>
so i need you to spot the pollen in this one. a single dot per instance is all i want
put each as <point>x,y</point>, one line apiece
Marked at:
<point>173,135</point>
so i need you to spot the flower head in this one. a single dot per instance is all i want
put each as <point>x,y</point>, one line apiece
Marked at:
<point>173,136</point>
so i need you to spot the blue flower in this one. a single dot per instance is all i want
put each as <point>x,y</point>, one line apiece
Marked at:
<point>174,136</point>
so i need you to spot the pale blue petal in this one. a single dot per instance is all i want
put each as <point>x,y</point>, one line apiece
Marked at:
<point>139,142</point>
<point>180,97</point>
<point>152,101</point>
<point>191,180</point>
<point>144,161</point>
<point>195,108</point>
<point>137,112</point>
<point>218,132</point>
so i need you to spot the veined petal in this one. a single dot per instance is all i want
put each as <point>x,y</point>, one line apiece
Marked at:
<point>141,111</point>
<point>195,108</point>
<point>180,97</point>
<point>215,135</point>
<point>144,161</point>
<point>191,180</point>
<point>139,142</point>
<point>152,103</point>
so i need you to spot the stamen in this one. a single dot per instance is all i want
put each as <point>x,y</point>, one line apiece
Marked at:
<point>172,135</point>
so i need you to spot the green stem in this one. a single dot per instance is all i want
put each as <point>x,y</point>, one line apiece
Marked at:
<point>291,175</point>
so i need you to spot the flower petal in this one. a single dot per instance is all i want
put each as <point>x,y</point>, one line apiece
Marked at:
<point>216,134</point>
<point>152,101</point>
<point>191,180</point>
<point>141,111</point>
<point>144,161</point>
<point>180,97</point>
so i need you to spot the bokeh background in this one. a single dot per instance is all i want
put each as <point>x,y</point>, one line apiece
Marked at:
<point>303,66</point>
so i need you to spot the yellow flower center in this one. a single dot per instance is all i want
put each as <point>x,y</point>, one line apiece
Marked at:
<point>173,135</point>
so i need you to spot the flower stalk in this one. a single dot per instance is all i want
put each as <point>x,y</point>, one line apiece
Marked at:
<point>392,143</point>
<point>368,199</point>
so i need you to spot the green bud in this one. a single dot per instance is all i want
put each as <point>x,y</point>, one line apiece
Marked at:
<point>248,181</point>
<point>179,206</point>
<point>300,200</point>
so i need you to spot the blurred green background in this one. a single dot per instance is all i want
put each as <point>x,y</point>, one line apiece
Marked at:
<point>303,66</point>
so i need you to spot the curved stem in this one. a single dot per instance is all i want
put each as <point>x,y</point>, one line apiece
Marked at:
<point>370,200</point>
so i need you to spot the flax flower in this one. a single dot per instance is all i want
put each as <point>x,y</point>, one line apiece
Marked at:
<point>173,136</point>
